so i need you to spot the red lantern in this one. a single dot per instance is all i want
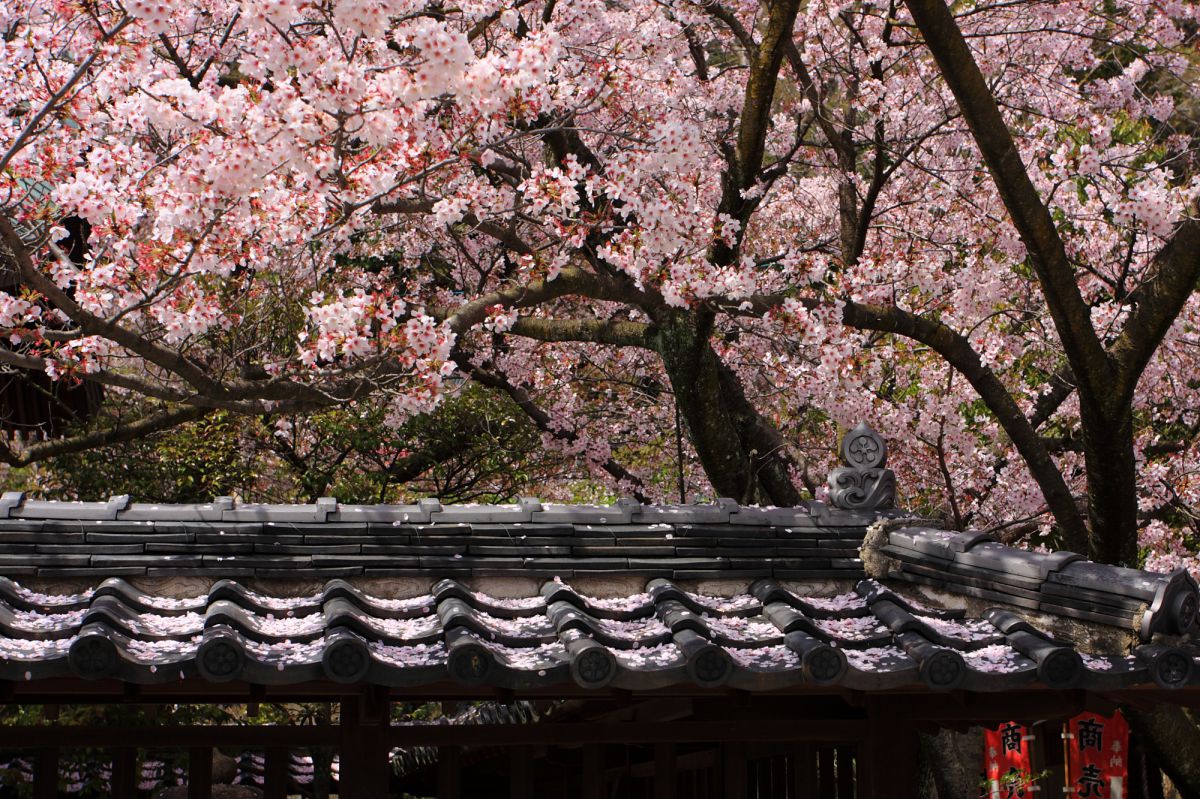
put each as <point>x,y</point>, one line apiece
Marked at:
<point>1097,749</point>
<point>1007,762</point>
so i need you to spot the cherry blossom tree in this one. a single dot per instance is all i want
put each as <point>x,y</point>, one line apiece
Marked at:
<point>973,225</point>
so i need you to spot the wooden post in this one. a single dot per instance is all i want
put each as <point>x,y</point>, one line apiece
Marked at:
<point>349,756</point>
<point>200,762</point>
<point>593,772</point>
<point>1047,757</point>
<point>449,772</point>
<point>713,785</point>
<point>124,771</point>
<point>888,759</point>
<point>733,767</point>
<point>845,771</point>
<point>520,772</point>
<point>825,777</point>
<point>804,772</point>
<point>275,776</point>
<point>664,771</point>
<point>375,755</point>
<point>45,773</point>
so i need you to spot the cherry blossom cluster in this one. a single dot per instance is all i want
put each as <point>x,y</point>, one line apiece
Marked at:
<point>318,187</point>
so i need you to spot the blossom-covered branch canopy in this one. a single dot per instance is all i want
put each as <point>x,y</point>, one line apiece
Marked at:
<point>771,208</point>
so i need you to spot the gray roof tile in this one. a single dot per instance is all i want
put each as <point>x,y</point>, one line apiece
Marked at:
<point>1060,583</point>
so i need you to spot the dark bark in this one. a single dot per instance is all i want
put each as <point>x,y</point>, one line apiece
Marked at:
<point>1172,736</point>
<point>1157,303</point>
<point>1071,315</point>
<point>940,755</point>
<point>957,351</point>
<point>768,452</point>
<point>1111,483</point>
<point>741,453</point>
<point>691,366</point>
<point>1106,378</point>
<point>745,159</point>
<point>542,419</point>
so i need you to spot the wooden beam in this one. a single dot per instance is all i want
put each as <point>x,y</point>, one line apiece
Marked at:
<point>961,709</point>
<point>705,759</point>
<point>349,755</point>
<point>200,763</point>
<point>550,733</point>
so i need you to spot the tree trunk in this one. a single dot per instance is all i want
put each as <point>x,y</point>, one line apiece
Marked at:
<point>742,454</point>
<point>1111,483</point>
<point>1171,734</point>
<point>941,755</point>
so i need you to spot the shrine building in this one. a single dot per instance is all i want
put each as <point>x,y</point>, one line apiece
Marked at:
<point>579,651</point>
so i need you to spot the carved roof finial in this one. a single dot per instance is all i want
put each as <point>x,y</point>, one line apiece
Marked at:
<point>863,483</point>
<point>863,448</point>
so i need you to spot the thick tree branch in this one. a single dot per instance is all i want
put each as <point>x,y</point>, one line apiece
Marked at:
<point>412,205</point>
<point>153,423</point>
<point>1172,279</point>
<point>760,89</point>
<point>570,281</point>
<point>543,421</point>
<point>735,26</point>
<point>1029,214</point>
<point>745,160</point>
<point>90,324</point>
<point>842,146</point>
<point>598,331</point>
<point>957,351</point>
<point>1061,385</point>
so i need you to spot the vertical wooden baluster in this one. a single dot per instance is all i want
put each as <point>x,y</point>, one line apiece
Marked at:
<point>593,772</point>
<point>124,772</point>
<point>845,772</point>
<point>45,773</point>
<point>804,772</point>
<point>449,772</point>
<point>733,765</point>
<point>200,762</point>
<point>825,775</point>
<point>520,772</point>
<point>275,777</point>
<point>349,756</point>
<point>664,771</point>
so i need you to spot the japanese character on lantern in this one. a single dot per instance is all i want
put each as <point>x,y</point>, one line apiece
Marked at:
<point>1010,737</point>
<point>1090,782</point>
<point>1091,735</point>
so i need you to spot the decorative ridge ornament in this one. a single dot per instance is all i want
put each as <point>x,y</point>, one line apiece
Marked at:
<point>863,483</point>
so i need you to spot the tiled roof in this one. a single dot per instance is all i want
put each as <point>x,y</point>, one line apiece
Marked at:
<point>1058,583</point>
<point>782,631</point>
<point>325,540</point>
<point>771,637</point>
